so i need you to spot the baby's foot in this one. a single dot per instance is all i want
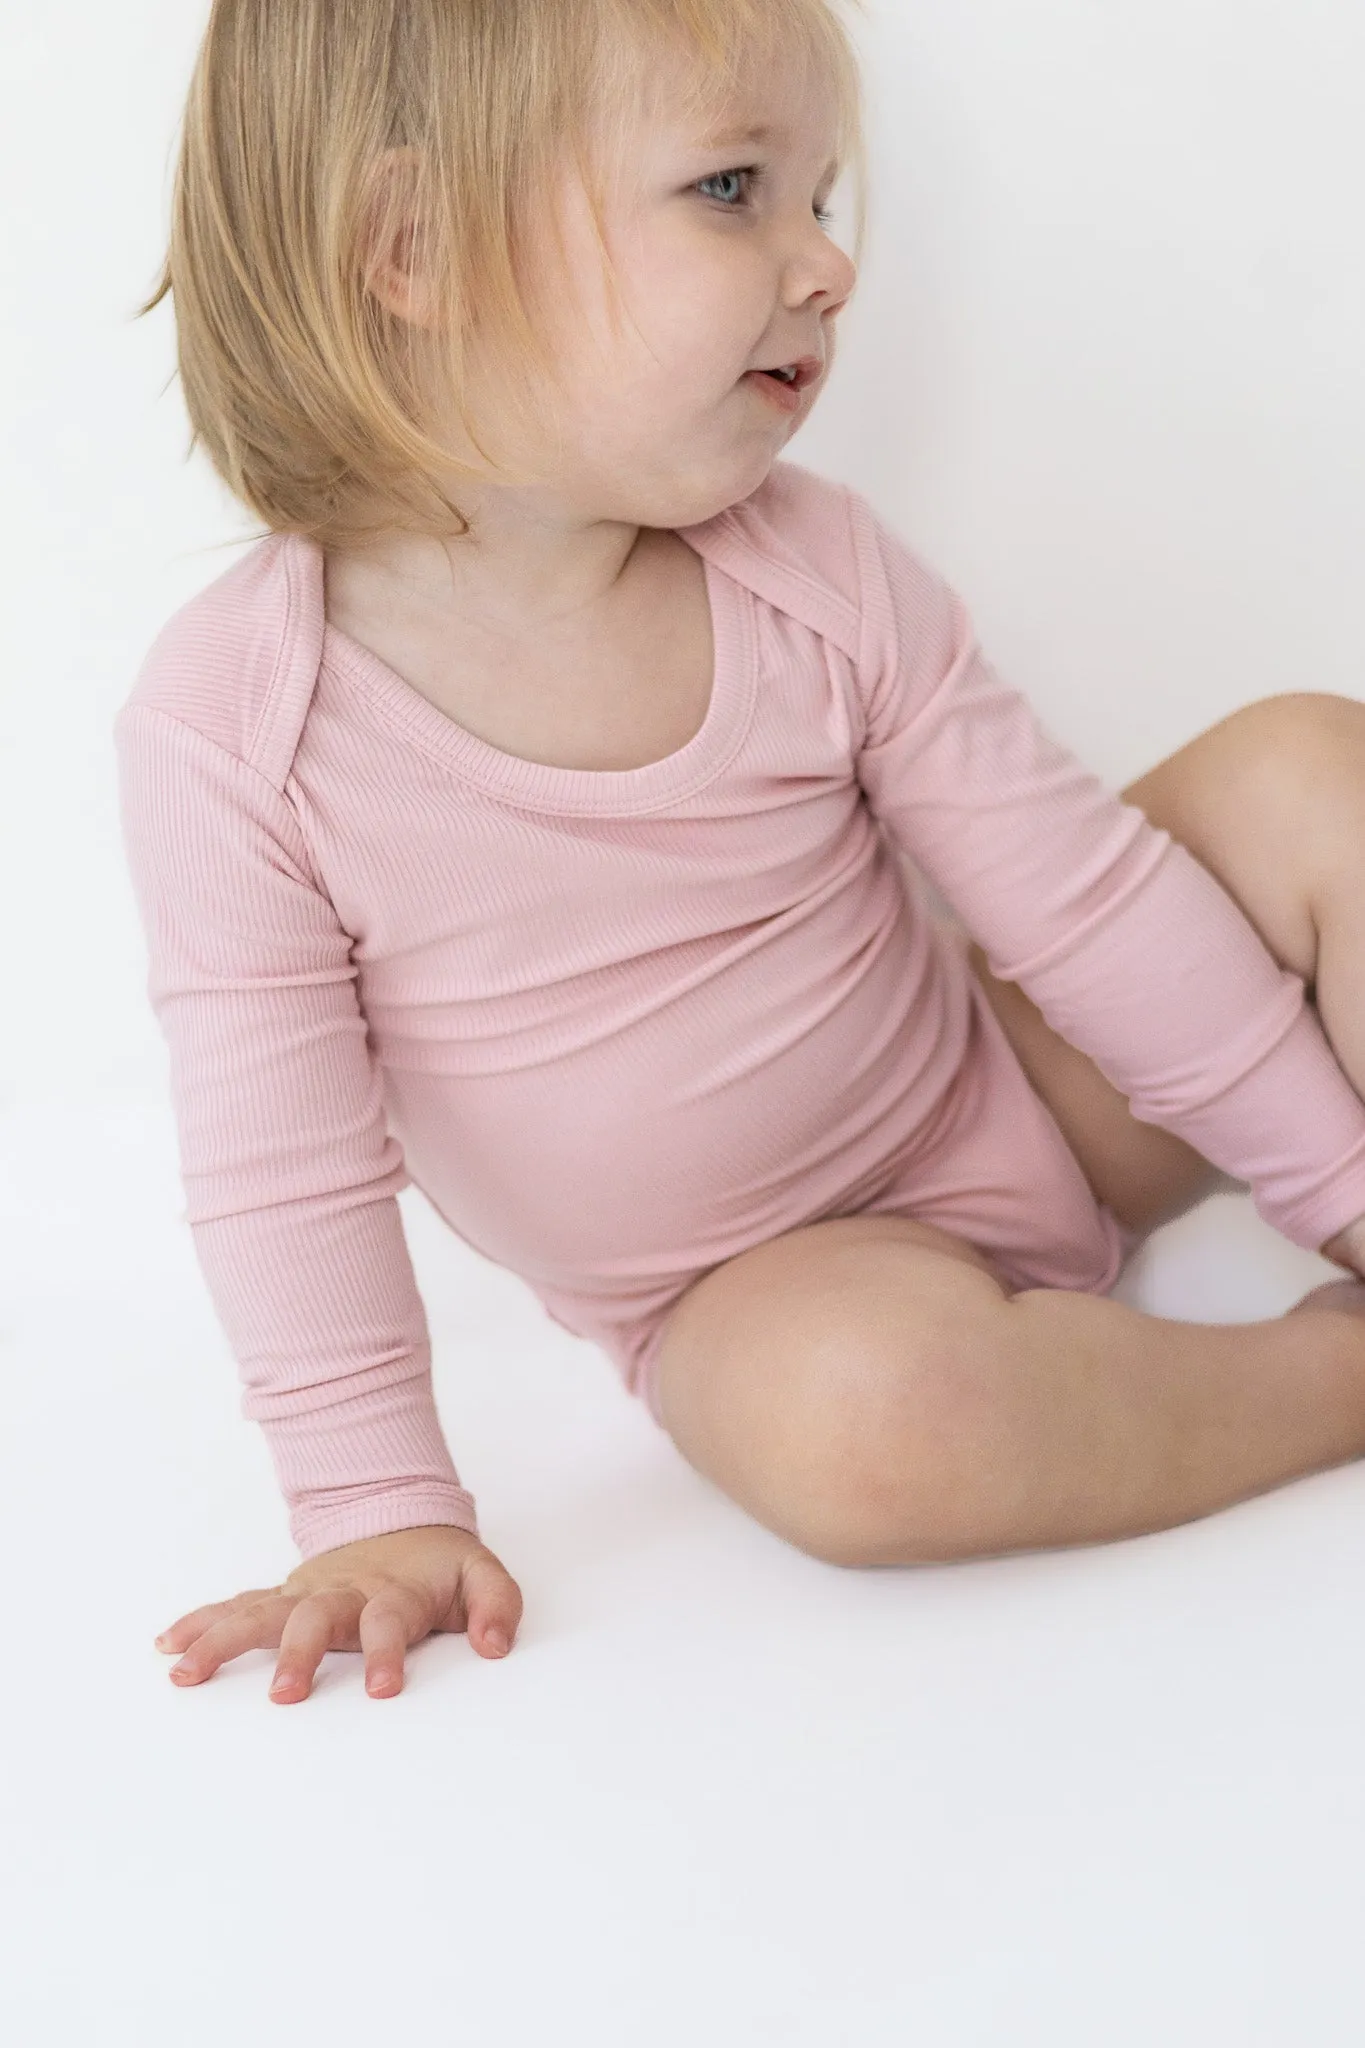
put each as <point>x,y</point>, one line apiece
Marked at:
<point>1341,1294</point>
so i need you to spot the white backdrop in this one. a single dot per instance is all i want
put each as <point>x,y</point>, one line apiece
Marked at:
<point>1104,368</point>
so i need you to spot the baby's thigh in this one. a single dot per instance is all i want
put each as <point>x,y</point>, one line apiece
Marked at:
<point>820,1378</point>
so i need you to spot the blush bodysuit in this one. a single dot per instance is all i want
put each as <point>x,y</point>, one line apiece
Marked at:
<point>622,1025</point>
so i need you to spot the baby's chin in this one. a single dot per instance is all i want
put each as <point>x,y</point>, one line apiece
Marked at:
<point>728,482</point>
<point>691,474</point>
<point>692,502</point>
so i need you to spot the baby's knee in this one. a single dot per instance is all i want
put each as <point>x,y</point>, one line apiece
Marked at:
<point>843,1392</point>
<point>906,1446</point>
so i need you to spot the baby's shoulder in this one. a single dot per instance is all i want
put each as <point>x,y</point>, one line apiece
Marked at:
<point>238,661</point>
<point>803,541</point>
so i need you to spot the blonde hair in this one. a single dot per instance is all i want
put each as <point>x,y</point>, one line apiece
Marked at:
<point>302,388</point>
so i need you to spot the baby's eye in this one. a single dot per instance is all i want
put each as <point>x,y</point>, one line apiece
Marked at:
<point>749,171</point>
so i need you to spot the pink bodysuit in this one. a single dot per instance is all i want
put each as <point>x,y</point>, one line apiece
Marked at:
<point>621,1025</point>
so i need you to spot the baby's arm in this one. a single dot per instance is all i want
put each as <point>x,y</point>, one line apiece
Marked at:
<point>290,1175</point>
<point>1128,946</point>
<point>291,1182</point>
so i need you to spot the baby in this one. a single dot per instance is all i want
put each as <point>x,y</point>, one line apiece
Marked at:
<point>546,811</point>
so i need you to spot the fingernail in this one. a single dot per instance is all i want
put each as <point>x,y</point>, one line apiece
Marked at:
<point>497,1642</point>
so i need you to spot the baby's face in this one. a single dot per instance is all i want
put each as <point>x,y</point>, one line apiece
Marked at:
<point>722,269</point>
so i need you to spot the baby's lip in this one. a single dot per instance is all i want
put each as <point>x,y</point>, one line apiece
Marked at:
<point>807,368</point>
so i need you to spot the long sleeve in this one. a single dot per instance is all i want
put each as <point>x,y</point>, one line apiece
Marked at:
<point>289,1172</point>
<point>1127,944</point>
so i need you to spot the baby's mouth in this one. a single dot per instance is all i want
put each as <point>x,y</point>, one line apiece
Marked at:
<point>797,376</point>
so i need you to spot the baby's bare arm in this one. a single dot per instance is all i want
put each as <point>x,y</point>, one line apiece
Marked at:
<point>378,1595</point>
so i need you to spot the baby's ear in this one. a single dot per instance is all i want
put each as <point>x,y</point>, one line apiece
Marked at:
<point>389,241</point>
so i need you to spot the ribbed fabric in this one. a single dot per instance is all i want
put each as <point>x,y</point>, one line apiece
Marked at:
<point>620,1026</point>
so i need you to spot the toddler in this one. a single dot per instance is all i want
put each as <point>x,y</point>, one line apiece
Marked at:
<point>575,808</point>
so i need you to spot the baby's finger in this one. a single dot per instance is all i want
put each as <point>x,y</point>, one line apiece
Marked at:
<point>386,1629</point>
<point>248,1628</point>
<point>318,1623</point>
<point>492,1601</point>
<point>193,1624</point>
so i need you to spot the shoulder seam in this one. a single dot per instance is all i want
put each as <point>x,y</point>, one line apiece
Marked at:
<point>132,711</point>
<point>822,600</point>
<point>269,708</point>
<point>863,533</point>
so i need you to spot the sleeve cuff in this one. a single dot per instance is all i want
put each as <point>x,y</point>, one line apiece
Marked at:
<point>349,1514</point>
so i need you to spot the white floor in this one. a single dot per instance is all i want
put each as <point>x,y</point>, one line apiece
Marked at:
<point>719,1790</point>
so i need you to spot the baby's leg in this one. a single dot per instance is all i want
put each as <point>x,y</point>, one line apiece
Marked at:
<point>869,1390</point>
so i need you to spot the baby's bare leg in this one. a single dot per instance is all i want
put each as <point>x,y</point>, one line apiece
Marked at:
<point>866,1388</point>
<point>1140,1423</point>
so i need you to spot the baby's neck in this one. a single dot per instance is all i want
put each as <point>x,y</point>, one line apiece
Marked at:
<point>510,582</point>
<point>617,687</point>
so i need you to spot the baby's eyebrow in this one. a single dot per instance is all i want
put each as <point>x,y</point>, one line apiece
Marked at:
<point>759,131</point>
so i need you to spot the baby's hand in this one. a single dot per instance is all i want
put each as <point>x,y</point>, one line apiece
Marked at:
<point>378,1595</point>
<point>1347,1248</point>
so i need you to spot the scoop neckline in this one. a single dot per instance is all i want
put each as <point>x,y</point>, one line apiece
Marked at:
<point>541,785</point>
